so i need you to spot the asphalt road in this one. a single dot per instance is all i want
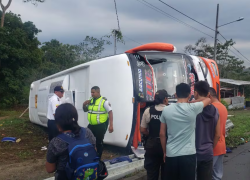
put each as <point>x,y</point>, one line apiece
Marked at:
<point>237,164</point>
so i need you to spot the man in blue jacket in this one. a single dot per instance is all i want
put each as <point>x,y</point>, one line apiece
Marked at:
<point>207,133</point>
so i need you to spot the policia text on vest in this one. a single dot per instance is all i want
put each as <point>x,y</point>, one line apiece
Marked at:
<point>100,116</point>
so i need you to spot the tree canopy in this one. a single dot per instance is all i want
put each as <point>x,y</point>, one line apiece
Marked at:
<point>23,59</point>
<point>19,54</point>
<point>229,65</point>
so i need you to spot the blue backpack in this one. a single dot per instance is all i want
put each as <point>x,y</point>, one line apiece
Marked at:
<point>83,162</point>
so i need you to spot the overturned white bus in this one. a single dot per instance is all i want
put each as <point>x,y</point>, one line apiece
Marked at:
<point>128,81</point>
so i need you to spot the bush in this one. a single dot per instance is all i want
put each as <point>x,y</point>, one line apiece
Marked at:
<point>224,103</point>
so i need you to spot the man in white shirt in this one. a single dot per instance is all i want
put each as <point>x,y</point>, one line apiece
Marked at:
<point>54,102</point>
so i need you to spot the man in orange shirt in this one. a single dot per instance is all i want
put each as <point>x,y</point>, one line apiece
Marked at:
<point>220,148</point>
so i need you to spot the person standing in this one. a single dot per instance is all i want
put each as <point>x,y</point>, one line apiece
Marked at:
<point>150,127</point>
<point>220,148</point>
<point>66,118</point>
<point>54,102</point>
<point>100,116</point>
<point>179,120</point>
<point>207,133</point>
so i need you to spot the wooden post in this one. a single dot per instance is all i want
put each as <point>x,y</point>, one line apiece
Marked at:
<point>23,112</point>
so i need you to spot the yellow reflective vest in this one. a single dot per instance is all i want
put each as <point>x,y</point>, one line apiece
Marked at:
<point>96,111</point>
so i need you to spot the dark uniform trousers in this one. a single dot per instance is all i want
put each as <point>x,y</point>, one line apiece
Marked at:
<point>154,163</point>
<point>52,129</point>
<point>204,170</point>
<point>99,131</point>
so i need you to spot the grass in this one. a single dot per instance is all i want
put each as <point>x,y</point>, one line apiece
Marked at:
<point>32,137</point>
<point>241,121</point>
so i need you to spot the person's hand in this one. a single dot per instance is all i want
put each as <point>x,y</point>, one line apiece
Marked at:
<point>164,157</point>
<point>86,102</point>
<point>198,100</point>
<point>111,129</point>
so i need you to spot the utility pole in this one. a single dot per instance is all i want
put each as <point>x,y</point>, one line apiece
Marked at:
<point>115,42</point>
<point>216,33</point>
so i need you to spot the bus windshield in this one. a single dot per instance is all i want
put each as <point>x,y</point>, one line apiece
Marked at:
<point>169,69</point>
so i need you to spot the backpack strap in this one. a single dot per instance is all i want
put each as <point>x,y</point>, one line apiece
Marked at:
<point>83,133</point>
<point>69,139</point>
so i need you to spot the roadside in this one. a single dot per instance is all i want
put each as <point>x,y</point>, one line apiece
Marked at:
<point>237,163</point>
<point>25,159</point>
<point>241,128</point>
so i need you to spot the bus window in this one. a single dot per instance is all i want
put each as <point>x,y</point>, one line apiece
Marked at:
<point>215,69</point>
<point>170,70</point>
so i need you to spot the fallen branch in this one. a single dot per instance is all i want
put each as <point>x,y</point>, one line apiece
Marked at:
<point>23,112</point>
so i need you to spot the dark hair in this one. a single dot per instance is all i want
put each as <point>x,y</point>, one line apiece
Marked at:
<point>202,88</point>
<point>213,92</point>
<point>95,88</point>
<point>160,95</point>
<point>66,117</point>
<point>183,90</point>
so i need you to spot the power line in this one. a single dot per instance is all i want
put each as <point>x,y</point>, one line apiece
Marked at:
<point>204,26</point>
<point>235,48</point>
<point>230,50</point>
<point>186,15</point>
<point>170,16</point>
<point>132,40</point>
<point>119,25</point>
<point>117,16</point>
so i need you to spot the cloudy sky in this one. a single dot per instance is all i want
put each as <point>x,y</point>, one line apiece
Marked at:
<point>69,21</point>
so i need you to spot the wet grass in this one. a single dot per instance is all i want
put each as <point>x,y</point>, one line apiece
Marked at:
<point>32,137</point>
<point>241,121</point>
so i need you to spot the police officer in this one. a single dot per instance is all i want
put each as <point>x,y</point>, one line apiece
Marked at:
<point>100,115</point>
<point>54,102</point>
<point>150,127</point>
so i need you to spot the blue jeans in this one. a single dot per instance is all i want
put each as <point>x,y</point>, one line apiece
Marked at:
<point>218,167</point>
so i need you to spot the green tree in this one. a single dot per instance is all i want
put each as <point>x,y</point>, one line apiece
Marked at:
<point>229,66</point>
<point>4,8</point>
<point>91,48</point>
<point>19,55</point>
<point>58,56</point>
<point>118,37</point>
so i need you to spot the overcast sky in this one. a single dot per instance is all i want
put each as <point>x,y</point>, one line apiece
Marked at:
<point>69,21</point>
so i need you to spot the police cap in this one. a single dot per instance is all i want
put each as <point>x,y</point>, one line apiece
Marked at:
<point>59,88</point>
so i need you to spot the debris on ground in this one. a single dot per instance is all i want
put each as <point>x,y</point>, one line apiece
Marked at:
<point>44,148</point>
<point>120,159</point>
<point>18,140</point>
<point>228,150</point>
<point>139,152</point>
<point>9,139</point>
<point>229,125</point>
